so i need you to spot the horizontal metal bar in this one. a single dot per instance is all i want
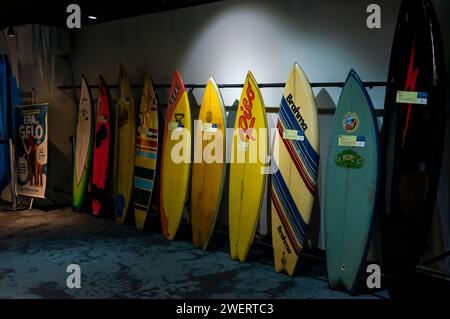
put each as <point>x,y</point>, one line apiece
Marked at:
<point>320,111</point>
<point>230,86</point>
<point>433,272</point>
<point>437,258</point>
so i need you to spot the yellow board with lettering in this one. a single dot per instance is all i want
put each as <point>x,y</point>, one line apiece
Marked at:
<point>248,169</point>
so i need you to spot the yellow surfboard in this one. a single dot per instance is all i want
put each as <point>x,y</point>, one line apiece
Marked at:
<point>296,155</point>
<point>176,158</point>
<point>208,171</point>
<point>247,169</point>
<point>124,154</point>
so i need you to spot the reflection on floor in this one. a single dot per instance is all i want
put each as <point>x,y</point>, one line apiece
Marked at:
<point>120,262</point>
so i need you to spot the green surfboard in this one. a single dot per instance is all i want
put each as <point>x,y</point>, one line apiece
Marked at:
<point>351,184</point>
<point>83,147</point>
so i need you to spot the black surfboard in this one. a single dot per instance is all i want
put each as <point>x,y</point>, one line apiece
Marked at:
<point>412,142</point>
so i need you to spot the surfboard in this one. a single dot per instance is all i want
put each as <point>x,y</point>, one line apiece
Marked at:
<point>102,140</point>
<point>4,179</point>
<point>351,184</point>
<point>208,170</point>
<point>146,158</point>
<point>412,142</point>
<point>83,146</point>
<point>248,169</point>
<point>323,101</point>
<point>296,161</point>
<point>176,158</point>
<point>125,149</point>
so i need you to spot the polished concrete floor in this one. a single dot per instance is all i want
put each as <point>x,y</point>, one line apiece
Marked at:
<point>121,262</point>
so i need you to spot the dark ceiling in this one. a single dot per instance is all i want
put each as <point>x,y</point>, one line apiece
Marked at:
<point>53,13</point>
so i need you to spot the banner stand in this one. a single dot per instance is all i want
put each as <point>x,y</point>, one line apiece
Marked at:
<point>31,150</point>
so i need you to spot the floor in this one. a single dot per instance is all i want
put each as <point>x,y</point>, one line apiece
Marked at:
<point>121,262</point>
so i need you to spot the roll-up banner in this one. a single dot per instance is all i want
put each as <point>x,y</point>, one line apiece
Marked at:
<point>31,149</point>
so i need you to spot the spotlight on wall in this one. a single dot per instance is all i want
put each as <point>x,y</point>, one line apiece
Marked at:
<point>10,32</point>
<point>92,17</point>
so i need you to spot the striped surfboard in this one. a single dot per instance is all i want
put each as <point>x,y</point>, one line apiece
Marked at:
<point>146,156</point>
<point>296,163</point>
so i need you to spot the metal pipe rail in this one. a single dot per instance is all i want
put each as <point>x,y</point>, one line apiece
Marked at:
<point>370,85</point>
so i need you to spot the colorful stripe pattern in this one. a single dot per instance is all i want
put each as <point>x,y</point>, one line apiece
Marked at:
<point>146,155</point>
<point>306,161</point>
<point>288,212</point>
<point>305,158</point>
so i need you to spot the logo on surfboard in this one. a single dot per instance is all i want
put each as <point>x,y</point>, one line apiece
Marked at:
<point>174,95</point>
<point>350,122</point>
<point>179,118</point>
<point>84,115</point>
<point>247,120</point>
<point>284,239</point>
<point>296,110</point>
<point>349,159</point>
<point>123,117</point>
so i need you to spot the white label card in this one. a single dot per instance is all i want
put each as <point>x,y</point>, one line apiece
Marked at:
<point>174,126</point>
<point>351,141</point>
<point>209,127</point>
<point>293,135</point>
<point>242,146</point>
<point>408,97</point>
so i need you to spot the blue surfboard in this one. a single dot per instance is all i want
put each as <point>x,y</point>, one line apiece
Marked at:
<point>4,154</point>
<point>351,184</point>
<point>7,82</point>
<point>16,99</point>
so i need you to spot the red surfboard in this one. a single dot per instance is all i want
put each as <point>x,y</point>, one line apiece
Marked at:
<point>101,149</point>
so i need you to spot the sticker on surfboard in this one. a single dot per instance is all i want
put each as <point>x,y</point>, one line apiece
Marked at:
<point>209,127</point>
<point>349,159</point>
<point>243,146</point>
<point>102,119</point>
<point>351,141</point>
<point>407,97</point>
<point>119,205</point>
<point>350,122</point>
<point>175,126</point>
<point>123,117</point>
<point>293,135</point>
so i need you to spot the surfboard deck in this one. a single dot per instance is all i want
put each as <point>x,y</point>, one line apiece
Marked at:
<point>412,142</point>
<point>296,161</point>
<point>175,170</point>
<point>83,146</point>
<point>208,169</point>
<point>125,149</point>
<point>351,185</point>
<point>146,158</point>
<point>247,170</point>
<point>102,141</point>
